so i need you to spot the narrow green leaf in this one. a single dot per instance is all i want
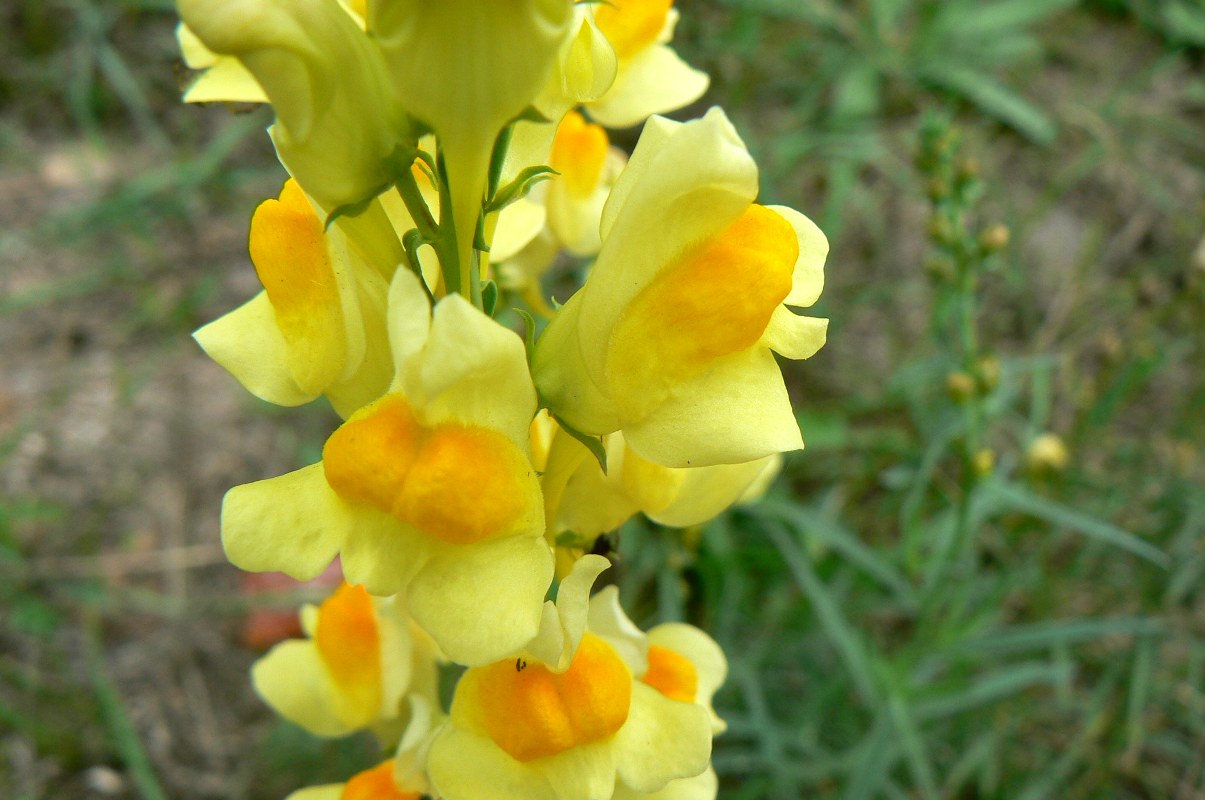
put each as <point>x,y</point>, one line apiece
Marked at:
<point>999,18</point>
<point>876,754</point>
<point>992,687</point>
<point>915,752</point>
<point>1042,635</point>
<point>1184,22</point>
<point>812,523</point>
<point>1020,499</point>
<point>842,635</point>
<point>994,99</point>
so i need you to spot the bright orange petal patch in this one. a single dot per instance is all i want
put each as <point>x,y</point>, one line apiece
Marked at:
<point>531,712</point>
<point>466,485</point>
<point>715,301</point>
<point>579,152</point>
<point>631,25</point>
<point>457,483</point>
<point>370,455</point>
<point>288,249</point>
<point>375,784</point>
<point>672,674</point>
<point>349,643</point>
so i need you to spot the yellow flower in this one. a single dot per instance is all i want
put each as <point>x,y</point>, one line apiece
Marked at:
<point>467,68</point>
<point>1047,453</point>
<point>337,118</point>
<point>589,703</point>
<point>222,78</point>
<point>319,325</point>
<point>580,498</point>
<point>651,79</point>
<point>428,490</point>
<point>670,338</point>
<point>372,784</point>
<point>588,167</point>
<point>583,71</point>
<point>363,655</point>
<point>571,202</point>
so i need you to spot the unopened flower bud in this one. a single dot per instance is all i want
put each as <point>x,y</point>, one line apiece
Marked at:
<point>995,238</point>
<point>984,462</point>
<point>987,372</point>
<point>1047,453</point>
<point>336,118</point>
<point>960,386</point>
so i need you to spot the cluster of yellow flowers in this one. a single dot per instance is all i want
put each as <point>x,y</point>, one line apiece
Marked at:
<point>444,155</point>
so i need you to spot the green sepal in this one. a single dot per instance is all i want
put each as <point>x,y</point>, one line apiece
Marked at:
<point>489,297</point>
<point>529,332</point>
<point>412,240</point>
<point>519,187</point>
<point>479,242</point>
<point>592,443</point>
<point>352,209</point>
<point>530,114</point>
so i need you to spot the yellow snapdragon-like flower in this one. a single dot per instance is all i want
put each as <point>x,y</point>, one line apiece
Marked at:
<point>467,68</point>
<point>224,78</point>
<point>588,167</point>
<point>337,117</point>
<point>319,325</point>
<point>589,704</point>
<point>572,201</point>
<point>652,78</point>
<point>579,497</point>
<point>670,340</point>
<point>428,490</point>
<point>362,657</point>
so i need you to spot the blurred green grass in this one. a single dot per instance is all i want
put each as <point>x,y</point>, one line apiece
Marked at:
<point>1054,648</point>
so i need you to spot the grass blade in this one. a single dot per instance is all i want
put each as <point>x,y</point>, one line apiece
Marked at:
<point>1026,502</point>
<point>828,610</point>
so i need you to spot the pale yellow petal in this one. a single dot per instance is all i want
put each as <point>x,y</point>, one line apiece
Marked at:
<point>594,503</point>
<point>226,81</point>
<point>375,373</point>
<point>381,552</point>
<point>397,654</point>
<point>700,787</point>
<point>794,336</point>
<point>562,631</point>
<point>410,760</point>
<point>562,371</point>
<point>808,280</point>
<point>292,679</point>
<point>518,224</point>
<point>707,491</point>
<point>684,184</point>
<point>736,411</point>
<point>493,774</point>
<point>331,791</point>
<point>293,524</point>
<point>247,343</point>
<point>584,70</point>
<point>662,740</point>
<point>608,621</point>
<point>587,770</point>
<point>409,317</point>
<point>708,659</point>
<point>655,81</point>
<point>474,371</point>
<point>337,115</point>
<point>481,602</point>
